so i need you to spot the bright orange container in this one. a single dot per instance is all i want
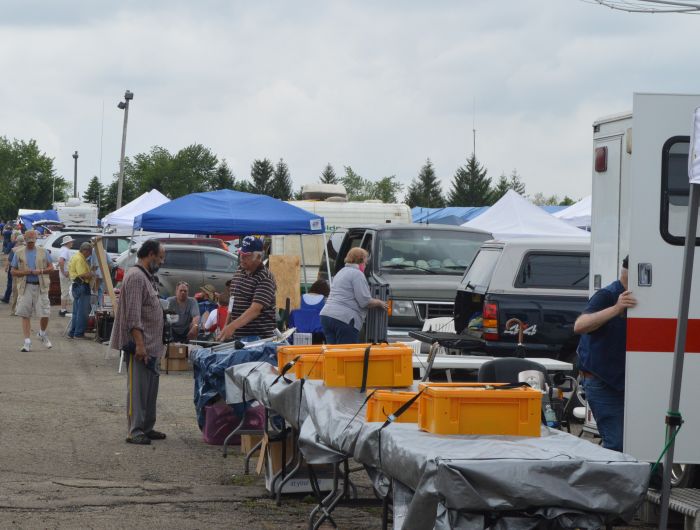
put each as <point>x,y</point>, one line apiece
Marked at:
<point>478,408</point>
<point>389,366</point>
<point>385,402</point>
<point>310,363</point>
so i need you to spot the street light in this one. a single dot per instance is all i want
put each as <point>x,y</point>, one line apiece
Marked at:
<point>123,105</point>
<point>75,174</point>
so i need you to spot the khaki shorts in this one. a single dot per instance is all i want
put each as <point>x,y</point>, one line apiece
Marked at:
<point>33,302</point>
<point>65,287</point>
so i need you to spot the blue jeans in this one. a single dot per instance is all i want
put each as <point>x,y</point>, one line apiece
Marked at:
<point>81,309</point>
<point>608,407</point>
<point>338,332</point>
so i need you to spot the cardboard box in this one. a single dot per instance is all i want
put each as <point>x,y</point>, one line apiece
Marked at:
<point>174,365</point>
<point>248,441</point>
<point>300,482</point>
<point>177,351</point>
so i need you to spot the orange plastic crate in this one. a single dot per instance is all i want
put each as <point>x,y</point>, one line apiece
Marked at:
<point>389,366</point>
<point>385,402</point>
<point>472,408</point>
<point>310,363</point>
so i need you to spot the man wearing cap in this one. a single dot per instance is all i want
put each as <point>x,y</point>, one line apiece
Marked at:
<point>80,275</point>
<point>63,259</point>
<point>206,301</point>
<point>31,266</point>
<point>253,290</point>
<point>601,352</point>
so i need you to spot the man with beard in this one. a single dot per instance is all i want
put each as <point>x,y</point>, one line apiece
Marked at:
<point>138,331</point>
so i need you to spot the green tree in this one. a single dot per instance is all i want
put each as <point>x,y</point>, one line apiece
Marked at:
<point>358,188</point>
<point>281,182</point>
<point>261,174</point>
<point>516,184</point>
<point>501,188</point>
<point>539,199</point>
<point>471,186</point>
<point>567,201</point>
<point>95,193</point>
<point>387,189</point>
<point>328,176</point>
<point>129,189</point>
<point>194,167</point>
<point>27,178</point>
<point>425,190</point>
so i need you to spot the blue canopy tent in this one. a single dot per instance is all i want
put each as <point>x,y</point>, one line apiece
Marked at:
<point>227,212</point>
<point>46,215</point>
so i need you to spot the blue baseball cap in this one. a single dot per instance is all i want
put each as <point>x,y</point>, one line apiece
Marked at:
<point>251,244</point>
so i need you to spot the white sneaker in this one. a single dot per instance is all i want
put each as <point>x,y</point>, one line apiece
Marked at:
<point>27,345</point>
<point>45,339</point>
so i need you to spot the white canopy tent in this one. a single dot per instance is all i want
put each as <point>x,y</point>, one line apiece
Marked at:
<point>578,214</point>
<point>514,216</point>
<point>124,216</point>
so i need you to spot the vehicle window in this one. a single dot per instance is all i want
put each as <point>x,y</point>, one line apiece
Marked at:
<point>675,190</point>
<point>549,270</point>
<point>78,239</point>
<point>182,259</point>
<point>478,277</point>
<point>424,251</point>
<point>213,261</point>
<point>122,245</point>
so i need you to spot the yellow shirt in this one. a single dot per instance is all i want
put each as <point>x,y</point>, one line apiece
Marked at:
<point>77,266</point>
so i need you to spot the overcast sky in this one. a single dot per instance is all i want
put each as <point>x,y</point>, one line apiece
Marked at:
<point>379,86</point>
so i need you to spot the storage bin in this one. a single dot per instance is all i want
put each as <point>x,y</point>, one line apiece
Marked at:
<point>310,363</point>
<point>389,365</point>
<point>386,402</point>
<point>479,408</point>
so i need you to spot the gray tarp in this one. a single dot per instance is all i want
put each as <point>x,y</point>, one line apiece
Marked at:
<point>456,479</point>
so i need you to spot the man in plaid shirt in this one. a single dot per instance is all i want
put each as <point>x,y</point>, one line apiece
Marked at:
<point>138,331</point>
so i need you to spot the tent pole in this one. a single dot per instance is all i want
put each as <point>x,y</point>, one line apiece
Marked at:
<point>328,263</point>
<point>679,350</point>
<point>303,263</point>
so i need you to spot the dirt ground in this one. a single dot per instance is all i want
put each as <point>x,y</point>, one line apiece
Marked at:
<point>64,462</point>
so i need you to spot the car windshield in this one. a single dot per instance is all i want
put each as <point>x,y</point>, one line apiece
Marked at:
<point>424,251</point>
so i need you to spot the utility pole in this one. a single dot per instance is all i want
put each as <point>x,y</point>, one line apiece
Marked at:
<point>75,174</point>
<point>124,105</point>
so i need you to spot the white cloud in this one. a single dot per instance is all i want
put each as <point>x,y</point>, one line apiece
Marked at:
<point>378,86</point>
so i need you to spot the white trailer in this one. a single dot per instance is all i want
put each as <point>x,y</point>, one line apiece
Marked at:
<point>640,198</point>
<point>338,216</point>
<point>74,212</point>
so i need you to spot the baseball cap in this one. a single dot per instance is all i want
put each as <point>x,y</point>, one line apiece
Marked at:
<point>251,244</point>
<point>30,236</point>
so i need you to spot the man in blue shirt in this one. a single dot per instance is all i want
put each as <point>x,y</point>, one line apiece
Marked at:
<point>602,351</point>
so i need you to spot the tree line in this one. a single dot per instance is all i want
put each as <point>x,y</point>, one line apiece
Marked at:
<point>28,180</point>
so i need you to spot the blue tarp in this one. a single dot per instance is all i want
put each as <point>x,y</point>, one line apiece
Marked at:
<point>210,367</point>
<point>457,215</point>
<point>227,212</point>
<point>46,215</point>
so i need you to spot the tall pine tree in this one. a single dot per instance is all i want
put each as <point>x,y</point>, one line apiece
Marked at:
<point>501,188</point>
<point>328,176</point>
<point>425,189</point>
<point>262,173</point>
<point>281,182</point>
<point>470,186</point>
<point>95,193</point>
<point>516,184</point>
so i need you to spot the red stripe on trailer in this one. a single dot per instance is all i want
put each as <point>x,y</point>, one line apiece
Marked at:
<point>659,335</point>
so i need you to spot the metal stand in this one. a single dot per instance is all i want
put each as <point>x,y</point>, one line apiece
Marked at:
<point>322,511</point>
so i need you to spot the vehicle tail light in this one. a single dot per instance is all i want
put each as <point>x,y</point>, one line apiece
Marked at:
<point>490,321</point>
<point>118,274</point>
<point>390,306</point>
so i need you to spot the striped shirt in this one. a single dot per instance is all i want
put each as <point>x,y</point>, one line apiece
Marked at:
<point>257,287</point>
<point>139,308</point>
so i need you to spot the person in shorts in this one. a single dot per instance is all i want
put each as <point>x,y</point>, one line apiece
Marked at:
<point>31,266</point>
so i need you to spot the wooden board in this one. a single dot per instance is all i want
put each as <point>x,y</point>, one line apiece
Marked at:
<point>286,270</point>
<point>106,272</point>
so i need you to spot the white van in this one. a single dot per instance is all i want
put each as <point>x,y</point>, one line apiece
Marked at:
<point>339,216</point>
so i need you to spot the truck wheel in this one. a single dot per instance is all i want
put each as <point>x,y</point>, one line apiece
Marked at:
<point>684,476</point>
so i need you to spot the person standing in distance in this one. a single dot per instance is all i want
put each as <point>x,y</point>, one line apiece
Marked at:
<point>80,275</point>
<point>63,259</point>
<point>346,308</point>
<point>602,351</point>
<point>31,266</point>
<point>253,289</point>
<point>138,331</point>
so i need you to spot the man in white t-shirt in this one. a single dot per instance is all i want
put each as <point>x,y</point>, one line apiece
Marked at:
<point>63,259</point>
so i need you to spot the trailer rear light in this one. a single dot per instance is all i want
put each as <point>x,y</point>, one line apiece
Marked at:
<point>118,274</point>
<point>490,321</point>
<point>601,159</point>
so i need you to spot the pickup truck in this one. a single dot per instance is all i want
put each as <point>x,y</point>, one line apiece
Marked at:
<point>543,282</point>
<point>421,264</point>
